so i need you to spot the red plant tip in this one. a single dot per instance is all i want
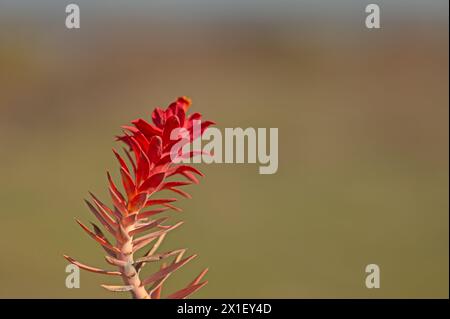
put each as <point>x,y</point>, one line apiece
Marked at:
<point>185,102</point>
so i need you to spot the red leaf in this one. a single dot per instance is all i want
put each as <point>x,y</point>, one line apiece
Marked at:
<point>114,187</point>
<point>172,123</point>
<point>205,125</point>
<point>199,277</point>
<point>152,202</point>
<point>99,233</point>
<point>105,210</point>
<point>121,161</point>
<point>146,128</point>
<point>118,203</point>
<point>152,183</point>
<point>184,102</point>
<point>156,294</point>
<point>160,281</point>
<point>133,165</point>
<point>170,269</point>
<point>175,184</point>
<point>142,141</point>
<point>97,238</point>
<point>143,168</point>
<point>147,226</point>
<point>179,191</point>
<point>177,209</point>
<point>159,117</point>
<point>137,202</point>
<point>146,239</point>
<point>118,288</point>
<point>149,213</point>
<point>155,149</point>
<point>186,292</point>
<point>190,177</point>
<point>92,269</point>
<point>109,226</point>
<point>159,257</point>
<point>193,117</point>
<point>184,168</point>
<point>128,183</point>
<point>132,129</point>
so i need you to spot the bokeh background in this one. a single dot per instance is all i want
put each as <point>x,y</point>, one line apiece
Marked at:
<point>363,141</point>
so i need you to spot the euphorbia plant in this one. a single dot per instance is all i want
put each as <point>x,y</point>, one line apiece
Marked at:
<point>131,218</point>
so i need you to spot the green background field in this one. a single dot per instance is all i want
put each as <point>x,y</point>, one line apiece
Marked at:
<point>363,142</point>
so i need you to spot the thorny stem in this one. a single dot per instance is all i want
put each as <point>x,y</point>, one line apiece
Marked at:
<point>130,275</point>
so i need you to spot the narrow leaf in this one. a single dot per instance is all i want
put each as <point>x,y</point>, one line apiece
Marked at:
<point>137,202</point>
<point>144,240</point>
<point>114,187</point>
<point>97,238</point>
<point>179,191</point>
<point>147,226</point>
<point>117,288</point>
<point>121,161</point>
<point>149,213</point>
<point>186,292</point>
<point>128,184</point>
<point>152,202</point>
<point>152,183</point>
<point>158,257</point>
<point>163,272</point>
<point>92,269</point>
<point>106,222</point>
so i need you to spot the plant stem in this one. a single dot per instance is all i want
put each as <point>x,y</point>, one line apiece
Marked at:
<point>129,274</point>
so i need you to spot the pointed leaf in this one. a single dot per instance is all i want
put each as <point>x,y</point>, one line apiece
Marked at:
<point>108,223</point>
<point>137,202</point>
<point>152,202</point>
<point>92,269</point>
<point>128,183</point>
<point>179,191</point>
<point>121,161</point>
<point>184,168</point>
<point>146,239</point>
<point>152,183</point>
<point>170,269</point>
<point>177,209</point>
<point>146,128</point>
<point>155,149</point>
<point>97,238</point>
<point>150,252</point>
<point>156,294</point>
<point>169,185</point>
<point>199,277</point>
<point>130,159</point>
<point>117,288</point>
<point>160,281</point>
<point>184,293</point>
<point>172,123</point>
<point>158,257</point>
<point>114,187</point>
<point>147,226</point>
<point>150,213</point>
<point>99,233</point>
<point>118,203</point>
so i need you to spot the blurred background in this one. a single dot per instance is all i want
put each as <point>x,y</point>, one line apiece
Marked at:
<point>363,141</point>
